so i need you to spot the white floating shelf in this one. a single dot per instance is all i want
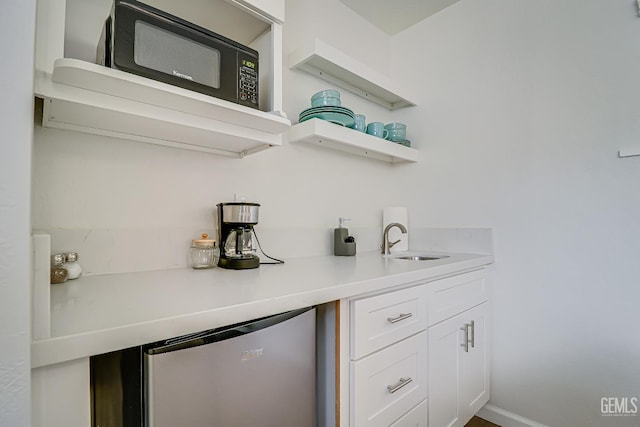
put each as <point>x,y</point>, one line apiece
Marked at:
<point>91,98</point>
<point>332,65</point>
<point>345,139</point>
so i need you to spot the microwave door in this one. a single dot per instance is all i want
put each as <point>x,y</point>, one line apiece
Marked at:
<point>168,51</point>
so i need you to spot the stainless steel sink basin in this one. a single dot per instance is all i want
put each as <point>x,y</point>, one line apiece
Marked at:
<point>416,257</point>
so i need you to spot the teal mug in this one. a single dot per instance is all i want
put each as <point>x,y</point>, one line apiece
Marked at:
<point>377,129</point>
<point>397,131</point>
<point>360,123</point>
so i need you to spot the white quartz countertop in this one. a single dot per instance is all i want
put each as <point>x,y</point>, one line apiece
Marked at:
<point>97,314</point>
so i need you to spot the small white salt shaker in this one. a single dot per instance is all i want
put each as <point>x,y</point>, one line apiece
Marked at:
<point>72,265</point>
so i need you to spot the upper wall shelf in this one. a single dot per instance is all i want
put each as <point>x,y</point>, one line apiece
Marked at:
<point>345,139</point>
<point>91,98</point>
<point>332,65</point>
<point>82,96</point>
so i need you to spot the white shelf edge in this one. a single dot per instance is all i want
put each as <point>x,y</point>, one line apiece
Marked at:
<point>94,77</point>
<point>629,152</point>
<point>86,97</point>
<point>334,66</point>
<point>345,139</point>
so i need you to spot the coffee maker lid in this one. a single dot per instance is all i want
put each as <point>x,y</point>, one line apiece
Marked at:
<point>238,204</point>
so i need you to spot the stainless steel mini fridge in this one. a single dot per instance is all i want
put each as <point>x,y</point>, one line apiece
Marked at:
<point>258,373</point>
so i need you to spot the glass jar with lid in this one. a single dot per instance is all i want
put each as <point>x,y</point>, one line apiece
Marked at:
<point>59,273</point>
<point>204,253</point>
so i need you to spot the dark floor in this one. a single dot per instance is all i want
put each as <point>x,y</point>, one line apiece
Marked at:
<point>479,422</point>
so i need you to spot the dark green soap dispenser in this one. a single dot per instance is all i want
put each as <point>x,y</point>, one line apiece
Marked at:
<point>343,244</point>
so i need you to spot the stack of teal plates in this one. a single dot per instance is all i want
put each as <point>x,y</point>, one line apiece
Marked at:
<point>334,114</point>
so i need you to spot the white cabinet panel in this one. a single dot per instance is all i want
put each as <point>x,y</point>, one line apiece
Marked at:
<point>444,354</point>
<point>448,297</point>
<point>381,320</point>
<point>418,417</point>
<point>60,395</point>
<point>387,384</point>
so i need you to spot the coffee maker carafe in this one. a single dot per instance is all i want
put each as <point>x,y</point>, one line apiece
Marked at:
<point>235,227</point>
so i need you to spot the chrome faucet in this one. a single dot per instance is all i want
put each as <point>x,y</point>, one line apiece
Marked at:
<point>386,245</point>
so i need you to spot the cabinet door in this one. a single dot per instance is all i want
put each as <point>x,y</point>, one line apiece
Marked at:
<point>458,373</point>
<point>474,368</point>
<point>444,359</point>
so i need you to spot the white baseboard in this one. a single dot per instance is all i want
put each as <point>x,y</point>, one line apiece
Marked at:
<point>505,418</point>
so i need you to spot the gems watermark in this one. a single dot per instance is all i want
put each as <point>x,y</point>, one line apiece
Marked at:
<point>619,406</point>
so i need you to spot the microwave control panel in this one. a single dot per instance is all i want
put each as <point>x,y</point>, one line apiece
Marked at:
<point>248,81</point>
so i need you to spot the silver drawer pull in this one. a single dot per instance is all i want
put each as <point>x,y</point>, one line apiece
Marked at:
<point>402,316</point>
<point>403,382</point>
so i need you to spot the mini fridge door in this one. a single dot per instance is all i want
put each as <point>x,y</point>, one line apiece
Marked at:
<point>261,373</point>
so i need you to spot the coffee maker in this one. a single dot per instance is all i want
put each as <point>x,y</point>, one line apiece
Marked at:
<point>235,227</point>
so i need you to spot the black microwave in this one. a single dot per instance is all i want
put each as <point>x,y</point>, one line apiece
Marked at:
<point>143,40</point>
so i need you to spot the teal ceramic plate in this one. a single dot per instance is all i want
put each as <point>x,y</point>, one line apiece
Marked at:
<point>326,109</point>
<point>337,118</point>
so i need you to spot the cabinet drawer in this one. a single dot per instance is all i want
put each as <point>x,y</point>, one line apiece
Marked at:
<point>387,384</point>
<point>453,295</point>
<point>379,321</point>
<point>418,417</point>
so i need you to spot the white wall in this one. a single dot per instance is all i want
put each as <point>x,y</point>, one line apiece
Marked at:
<point>129,206</point>
<point>17,22</point>
<point>525,104</point>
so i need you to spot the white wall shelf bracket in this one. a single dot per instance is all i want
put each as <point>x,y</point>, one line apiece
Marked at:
<point>629,153</point>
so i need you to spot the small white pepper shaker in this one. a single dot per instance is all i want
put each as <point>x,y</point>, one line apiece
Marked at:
<point>72,265</point>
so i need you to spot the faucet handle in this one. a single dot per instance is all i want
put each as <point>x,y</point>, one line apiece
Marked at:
<point>391,244</point>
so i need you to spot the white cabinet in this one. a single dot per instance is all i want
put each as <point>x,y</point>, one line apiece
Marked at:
<point>81,96</point>
<point>388,358</point>
<point>434,333</point>
<point>459,358</point>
